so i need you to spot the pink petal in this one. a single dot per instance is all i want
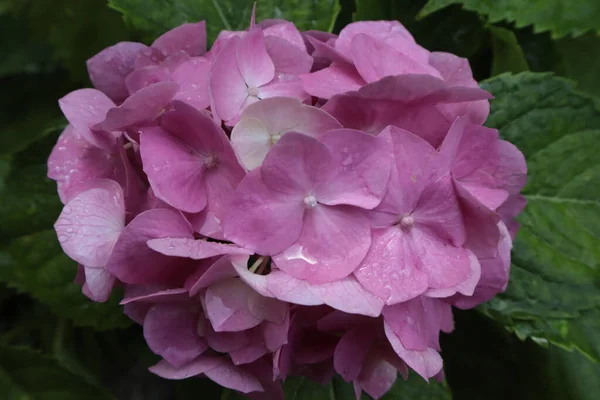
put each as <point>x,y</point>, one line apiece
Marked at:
<point>253,61</point>
<point>74,161</point>
<point>284,30</point>
<point>194,249</point>
<point>170,331</point>
<point>227,306</point>
<point>287,288</point>
<point>132,261</point>
<point>426,363</point>
<point>511,174</point>
<point>248,354</point>
<point>276,335</point>
<point>333,242</point>
<point>457,72</point>
<point>192,77</point>
<point>483,234</point>
<point>188,37</point>
<point>90,224</point>
<point>466,287</point>
<point>175,60</point>
<point>323,50</point>
<point>194,368</point>
<point>213,273</point>
<point>225,342</point>
<point>143,77</point>
<point>251,140</point>
<point>136,311</point>
<point>375,60</point>
<point>142,107</point>
<point>391,268</point>
<point>226,84</point>
<point>349,296</point>
<point>267,309</point>
<point>255,281</point>
<point>85,108</point>
<point>409,322</point>
<point>233,377</point>
<point>377,377</point>
<point>246,224</point>
<point>98,284</point>
<point>109,68</point>
<point>438,209</point>
<point>174,170</point>
<point>284,88</point>
<point>149,56</point>
<point>335,79</point>
<point>362,164</point>
<point>286,58</point>
<point>351,353</point>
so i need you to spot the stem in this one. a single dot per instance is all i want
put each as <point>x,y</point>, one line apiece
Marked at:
<point>256,264</point>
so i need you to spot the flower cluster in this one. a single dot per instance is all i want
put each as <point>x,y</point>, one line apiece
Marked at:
<point>287,203</point>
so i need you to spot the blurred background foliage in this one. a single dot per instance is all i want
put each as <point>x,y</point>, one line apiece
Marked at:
<point>539,340</point>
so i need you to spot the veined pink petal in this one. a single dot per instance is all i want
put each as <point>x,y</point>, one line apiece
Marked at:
<point>351,352</point>
<point>247,226</point>
<point>98,284</point>
<point>109,68</point>
<point>190,38</point>
<point>333,242</point>
<point>335,79</point>
<point>251,140</point>
<point>227,306</point>
<point>146,76</point>
<point>287,58</point>
<point>194,249</point>
<point>409,322</point>
<point>254,63</point>
<point>212,273</point>
<point>142,107</point>
<point>283,88</point>
<point>426,363</point>
<point>194,368</point>
<point>284,30</point>
<point>192,77</point>
<point>85,108</point>
<point>466,287</point>
<point>362,165</point>
<point>377,376</point>
<point>175,171</point>
<point>170,331</point>
<point>287,288</point>
<point>132,261</point>
<point>391,269</point>
<point>226,83</point>
<point>90,224</point>
<point>151,294</point>
<point>375,60</point>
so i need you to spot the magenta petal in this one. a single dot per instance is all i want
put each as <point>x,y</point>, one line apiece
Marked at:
<point>85,108</point>
<point>248,354</point>
<point>333,242</point>
<point>391,270</point>
<point>153,294</point>
<point>253,61</point>
<point>132,261</point>
<point>377,376</point>
<point>174,170</point>
<point>109,68</point>
<point>426,363</point>
<point>227,86</point>
<point>349,296</point>
<point>255,281</point>
<point>362,164</point>
<point>190,38</point>
<point>144,106</point>
<point>284,30</point>
<point>98,284</point>
<point>143,77</point>
<point>375,60</point>
<point>511,174</point>
<point>227,306</point>
<point>211,274</point>
<point>233,377</point>
<point>192,77</point>
<point>225,342</point>
<point>465,287</point>
<point>194,368</point>
<point>170,331</point>
<point>136,311</point>
<point>351,352</point>
<point>267,309</point>
<point>276,335</point>
<point>90,224</point>
<point>247,226</point>
<point>194,249</point>
<point>335,79</point>
<point>287,288</point>
<point>288,59</point>
<point>409,322</point>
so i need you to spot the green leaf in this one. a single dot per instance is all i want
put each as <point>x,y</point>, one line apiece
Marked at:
<point>508,55</point>
<point>581,61</point>
<point>453,30</point>
<point>416,388</point>
<point>558,16</point>
<point>554,292</point>
<point>157,16</point>
<point>26,374</point>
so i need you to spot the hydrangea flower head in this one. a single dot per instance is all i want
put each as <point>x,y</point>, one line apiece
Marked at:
<point>287,203</point>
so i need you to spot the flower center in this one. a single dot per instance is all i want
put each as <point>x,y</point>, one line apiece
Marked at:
<point>252,91</point>
<point>406,221</point>
<point>275,138</point>
<point>310,201</point>
<point>211,161</point>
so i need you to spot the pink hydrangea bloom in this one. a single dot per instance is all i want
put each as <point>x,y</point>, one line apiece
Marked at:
<point>287,203</point>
